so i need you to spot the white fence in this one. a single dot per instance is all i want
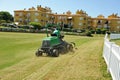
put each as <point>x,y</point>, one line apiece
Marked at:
<point>111,54</point>
<point>114,36</point>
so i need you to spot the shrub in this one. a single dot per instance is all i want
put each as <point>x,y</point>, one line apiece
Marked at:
<point>88,33</point>
<point>36,25</point>
<point>103,31</point>
<point>74,30</point>
<point>92,31</point>
<point>98,31</point>
<point>24,26</point>
<point>82,30</point>
<point>67,29</point>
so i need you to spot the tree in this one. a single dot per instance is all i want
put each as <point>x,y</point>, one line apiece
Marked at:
<point>4,15</point>
<point>36,25</point>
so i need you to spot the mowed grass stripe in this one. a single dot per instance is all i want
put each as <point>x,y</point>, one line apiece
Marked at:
<point>14,46</point>
<point>24,68</point>
<point>49,67</point>
<point>81,66</point>
<point>40,73</point>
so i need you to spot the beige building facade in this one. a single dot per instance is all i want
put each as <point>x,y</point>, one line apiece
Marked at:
<point>112,22</point>
<point>79,20</point>
<point>39,14</point>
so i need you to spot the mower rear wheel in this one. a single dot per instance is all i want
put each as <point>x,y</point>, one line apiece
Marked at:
<point>62,49</point>
<point>38,53</point>
<point>55,52</point>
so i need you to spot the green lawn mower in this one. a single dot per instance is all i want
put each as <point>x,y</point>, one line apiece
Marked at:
<point>54,45</point>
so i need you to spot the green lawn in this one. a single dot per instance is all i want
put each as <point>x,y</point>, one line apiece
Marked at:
<point>18,60</point>
<point>117,41</point>
<point>15,47</point>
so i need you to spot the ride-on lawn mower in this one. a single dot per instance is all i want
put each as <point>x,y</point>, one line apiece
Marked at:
<point>54,45</point>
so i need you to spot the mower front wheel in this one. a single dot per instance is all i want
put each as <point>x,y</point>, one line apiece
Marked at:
<point>38,53</point>
<point>55,52</point>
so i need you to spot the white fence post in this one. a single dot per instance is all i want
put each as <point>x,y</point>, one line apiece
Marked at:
<point>109,59</point>
<point>111,54</point>
<point>119,64</point>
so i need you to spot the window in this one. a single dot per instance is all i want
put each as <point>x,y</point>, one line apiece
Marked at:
<point>65,17</point>
<point>60,17</point>
<point>99,26</point>
<point>36,14</point>
<point>41,20</point>
<point>118,22</point>
<point>20,14</point>
<point>41,14</point>
<point>44,15</point>
<point>20,20</point>
<point>27,20</point>
<point>105,26</point>
<point>28,14</point>
<point>80,24</point>
<point>84,18</point>
<point>118,27</point>
<point>47,15</point>
<point>36,20</point>
<point>89,19</point>
<point>99,22</point>
<point>84,24</point>
<point>106,22</point>
<point>81,18</point>
<point>16,14</point>
<point>95,21</point>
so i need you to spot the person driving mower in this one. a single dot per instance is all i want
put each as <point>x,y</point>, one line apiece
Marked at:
<point>57,33</point>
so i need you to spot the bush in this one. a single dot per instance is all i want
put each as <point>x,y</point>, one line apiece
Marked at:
<point>92,31</point>
<point>98,31</point>
<point>24,26</point>
<point>103,31</point>
<point>82,30</point>
<point>67,29</point>
<point>36,25</point>
<point>108,32</point>
<point>88,33</point>
<point>74,30</point>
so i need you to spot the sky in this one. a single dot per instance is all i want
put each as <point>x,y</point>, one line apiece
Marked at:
<point>92,7</point>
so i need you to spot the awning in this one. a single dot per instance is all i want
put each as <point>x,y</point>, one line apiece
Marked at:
<point>69,17</point>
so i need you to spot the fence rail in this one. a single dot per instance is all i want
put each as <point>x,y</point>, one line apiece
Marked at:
<point>111,54</point>
<point>114,36</point>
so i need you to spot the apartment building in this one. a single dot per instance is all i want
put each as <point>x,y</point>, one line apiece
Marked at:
<point>112,22</point>
<point>45,15</point>
<point>39,14</point>
<point>79,20</point>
